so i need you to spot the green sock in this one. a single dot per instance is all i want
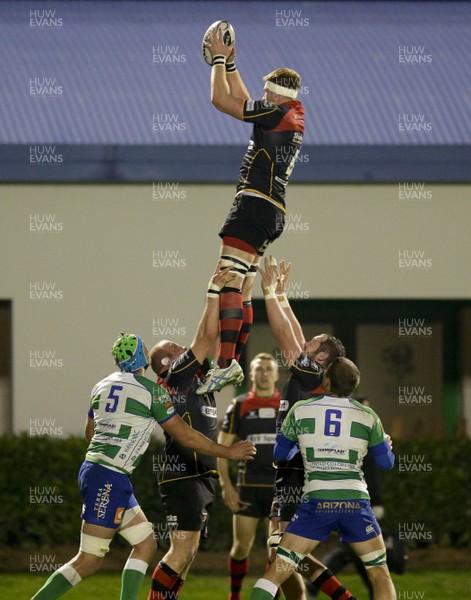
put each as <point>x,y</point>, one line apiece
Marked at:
<point>58,583</point>
<point>263,590</point>
<point>132,578</point>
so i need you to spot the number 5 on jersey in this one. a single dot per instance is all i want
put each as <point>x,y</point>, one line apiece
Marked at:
<point>111,407</point>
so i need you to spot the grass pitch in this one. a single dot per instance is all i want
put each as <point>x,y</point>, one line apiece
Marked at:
<point>424,585</point>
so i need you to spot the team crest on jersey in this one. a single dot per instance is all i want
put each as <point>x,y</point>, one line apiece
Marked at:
<point>267,104</point>
<point>284,405</point>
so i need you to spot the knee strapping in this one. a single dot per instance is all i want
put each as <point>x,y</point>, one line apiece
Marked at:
<point>239,265</point>
<point>289,556</point>
<point>274,540</point>
<point>374,559</point>
<point>94,545</point>
<point>137,533</point>
<point>129,515</point>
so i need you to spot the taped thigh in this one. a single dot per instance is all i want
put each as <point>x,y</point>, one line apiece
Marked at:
<point>94,545</point>
<point>374,559</point>
<point>290,556</point>
<point>137,533</point>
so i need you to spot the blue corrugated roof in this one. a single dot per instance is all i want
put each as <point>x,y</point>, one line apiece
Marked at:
<point>354,87</point>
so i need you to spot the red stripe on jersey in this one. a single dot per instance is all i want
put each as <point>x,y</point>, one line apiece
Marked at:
<point>293,119</point>
<point>253,402</point>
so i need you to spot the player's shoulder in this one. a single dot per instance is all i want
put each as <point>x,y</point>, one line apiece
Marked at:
<point>308,401</point>
<point>152,387</point>
<point>252,106</point>
<point>304,363</point>
<point>366,409</point>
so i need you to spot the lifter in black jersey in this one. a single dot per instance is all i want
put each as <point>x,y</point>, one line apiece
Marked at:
<point>257,215</point>
<point>307,361</point>
<point>186,480</point>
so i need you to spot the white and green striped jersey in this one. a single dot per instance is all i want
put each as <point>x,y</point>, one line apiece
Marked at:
<point>334,435</point>
<point>125,408</point>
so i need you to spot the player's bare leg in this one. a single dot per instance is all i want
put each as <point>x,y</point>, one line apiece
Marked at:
<point>373,555</point>
<point>230,317</point>
<point>82,565</point>
<point>247,309</point>
<point>293,587</point>
<point>287,559</point>
<point>243,535</point>
<point>312,569</point>
<point>169,575</point>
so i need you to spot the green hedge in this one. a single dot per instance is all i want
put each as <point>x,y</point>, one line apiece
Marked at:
<point>437,495</point>
<point>41,501</point>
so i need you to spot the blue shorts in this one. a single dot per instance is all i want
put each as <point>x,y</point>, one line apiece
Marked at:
<point>106,495</point>
<point>354,520</point>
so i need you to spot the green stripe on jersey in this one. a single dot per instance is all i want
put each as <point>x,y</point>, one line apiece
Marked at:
<point>337,495</point>
<point>134,407</point>
<point>304,426</point>
<point>360,431</point>
<point>95,402</point>
<point>318,476</point>
<point>109,450</point>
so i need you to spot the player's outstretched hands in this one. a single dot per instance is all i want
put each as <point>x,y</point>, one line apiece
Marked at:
<point>282,278</point>
<point>243,450</point>
<point>222,276</point>
<point>215,43</point>
<point>269,272</point>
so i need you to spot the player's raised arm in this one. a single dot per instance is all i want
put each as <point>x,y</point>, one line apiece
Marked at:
<point>221,95</point>
<point>237,87</point>
<point>206,340</point>
<point>279,323</point>
<point>280,289</point>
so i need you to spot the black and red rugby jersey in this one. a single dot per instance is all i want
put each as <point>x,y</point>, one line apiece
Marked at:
<point>273,148</point>
<point>181,381</point>
<point>252,417</point>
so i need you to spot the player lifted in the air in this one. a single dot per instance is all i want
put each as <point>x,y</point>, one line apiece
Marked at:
<point>257,215</point>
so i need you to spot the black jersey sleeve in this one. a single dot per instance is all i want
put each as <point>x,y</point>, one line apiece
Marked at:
<point>307,372</point>
<point>229,423</point>
<point>182,370</point>
<point>264,113</point>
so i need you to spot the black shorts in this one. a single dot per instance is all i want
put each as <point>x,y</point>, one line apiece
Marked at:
<point>255,221</point>
<point>288,494</point>
<point>258,500</point>
<point>187,503</point>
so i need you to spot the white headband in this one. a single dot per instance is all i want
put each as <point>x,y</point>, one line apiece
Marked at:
<point>282,91</point>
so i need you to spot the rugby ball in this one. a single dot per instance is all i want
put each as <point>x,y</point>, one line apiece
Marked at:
<point>228,36</point>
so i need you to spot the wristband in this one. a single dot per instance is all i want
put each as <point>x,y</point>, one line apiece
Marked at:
<point>231,67</point>
<point>213,290</point>
<point>219,59</point>
<point>269,292</point>
<point>283,300</point>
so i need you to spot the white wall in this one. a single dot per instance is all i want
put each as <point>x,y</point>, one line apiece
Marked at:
<point>100,264</point>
